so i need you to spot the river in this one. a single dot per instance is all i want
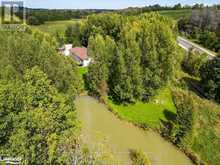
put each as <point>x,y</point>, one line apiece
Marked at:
<point>122,136</point>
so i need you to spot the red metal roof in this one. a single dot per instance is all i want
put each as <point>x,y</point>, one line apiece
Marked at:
<point>80,52</point>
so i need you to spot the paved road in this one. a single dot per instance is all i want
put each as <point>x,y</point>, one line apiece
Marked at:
<point>187,45</point>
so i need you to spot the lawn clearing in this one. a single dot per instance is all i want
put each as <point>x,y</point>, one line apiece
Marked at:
<point>149,114</point>
<point>83,70</point>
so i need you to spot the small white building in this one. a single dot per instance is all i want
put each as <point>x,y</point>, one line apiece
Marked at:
<point>67,49</point>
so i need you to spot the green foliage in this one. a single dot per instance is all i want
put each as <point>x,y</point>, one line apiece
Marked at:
<point>203,27</point>
<point>31,112</point>
<point>139,158</point>
<point>176,14</point>
<point>119,81</point>
<point>142,59</point>
<point>32,20</point>
<point>183,124</point>
<point>99,49</point>
<point>210,79</point>
<point>38,49</point>
<point>193,62</point>
<point>104,24</point>
<point>37,90</point>
<point>73,34</point>
<point>196,128</point>
<point>206,141</point>
<point>150,114</point>
<point>54,27</point>
<point>12,102</point>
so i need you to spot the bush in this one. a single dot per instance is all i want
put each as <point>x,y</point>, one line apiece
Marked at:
<point>139,158</point>
<point>193,62</point>
<point>210,79</point>
<point>179,129</point>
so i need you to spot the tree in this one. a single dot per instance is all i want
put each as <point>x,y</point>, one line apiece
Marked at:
<point>73,34</point>
<point>177,6</point>
<point>32,20</point>
<point>158,54</point>
<point>132,58</point>
<point>120,81</point>
<point>182,125</point>
<point>34,48</point>
<point>210,79</point>
<point>11,104</point>
<point>103,24</point>
<point>34,112</point>
<point>193,62</point>
<point>98,70</point>
<point>141,62</point>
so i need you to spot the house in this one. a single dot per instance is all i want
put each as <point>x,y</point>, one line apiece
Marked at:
<point>79,54</point>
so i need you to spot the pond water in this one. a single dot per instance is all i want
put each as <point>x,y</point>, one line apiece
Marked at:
<point>122,136</point>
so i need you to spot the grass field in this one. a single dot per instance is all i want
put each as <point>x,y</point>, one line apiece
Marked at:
<point>55,26</point>
<point>204,140</point>
<point>176,14</point>
<point>149,114</point>
<point>59,26</point>
<point>83,70</point>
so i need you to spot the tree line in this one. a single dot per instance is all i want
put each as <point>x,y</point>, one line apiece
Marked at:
<point>37,90</point>
<point>203,26</point>
<point>39,16</point>
<point>132,56</point>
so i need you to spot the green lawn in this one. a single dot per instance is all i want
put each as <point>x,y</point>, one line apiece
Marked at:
<point>55,26</point>
<point>149,114</point>
<point>206,135</point>
<point>176,14</point>
<point>83,70</point>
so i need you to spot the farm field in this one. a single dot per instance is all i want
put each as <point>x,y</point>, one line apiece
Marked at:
<point>54,27</point>
<point>176,14</point>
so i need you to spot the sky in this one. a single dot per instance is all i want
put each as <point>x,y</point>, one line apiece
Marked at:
<point>108,4</point>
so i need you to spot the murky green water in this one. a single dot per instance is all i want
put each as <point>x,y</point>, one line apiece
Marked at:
<point>122,136</point>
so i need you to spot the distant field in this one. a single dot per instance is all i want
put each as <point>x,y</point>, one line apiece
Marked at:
<point>55,26</point>
<point>60,26</point>
<point>176,14</point>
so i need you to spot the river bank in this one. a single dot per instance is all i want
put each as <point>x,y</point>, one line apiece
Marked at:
<point>123,136</point>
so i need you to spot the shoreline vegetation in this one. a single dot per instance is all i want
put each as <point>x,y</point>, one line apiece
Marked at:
<point>134,71</point>
<point>192,155</point>
<point>145,115</point>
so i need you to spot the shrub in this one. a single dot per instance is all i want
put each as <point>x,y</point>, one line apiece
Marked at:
<point>193,62</point>
<point>210,79</point>
<point>139,158</point>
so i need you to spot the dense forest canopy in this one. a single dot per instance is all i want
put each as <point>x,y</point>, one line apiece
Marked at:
<point>37,89</point>
<point>132,56</point>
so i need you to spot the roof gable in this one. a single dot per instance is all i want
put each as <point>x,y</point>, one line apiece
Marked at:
<point>80,52</point>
